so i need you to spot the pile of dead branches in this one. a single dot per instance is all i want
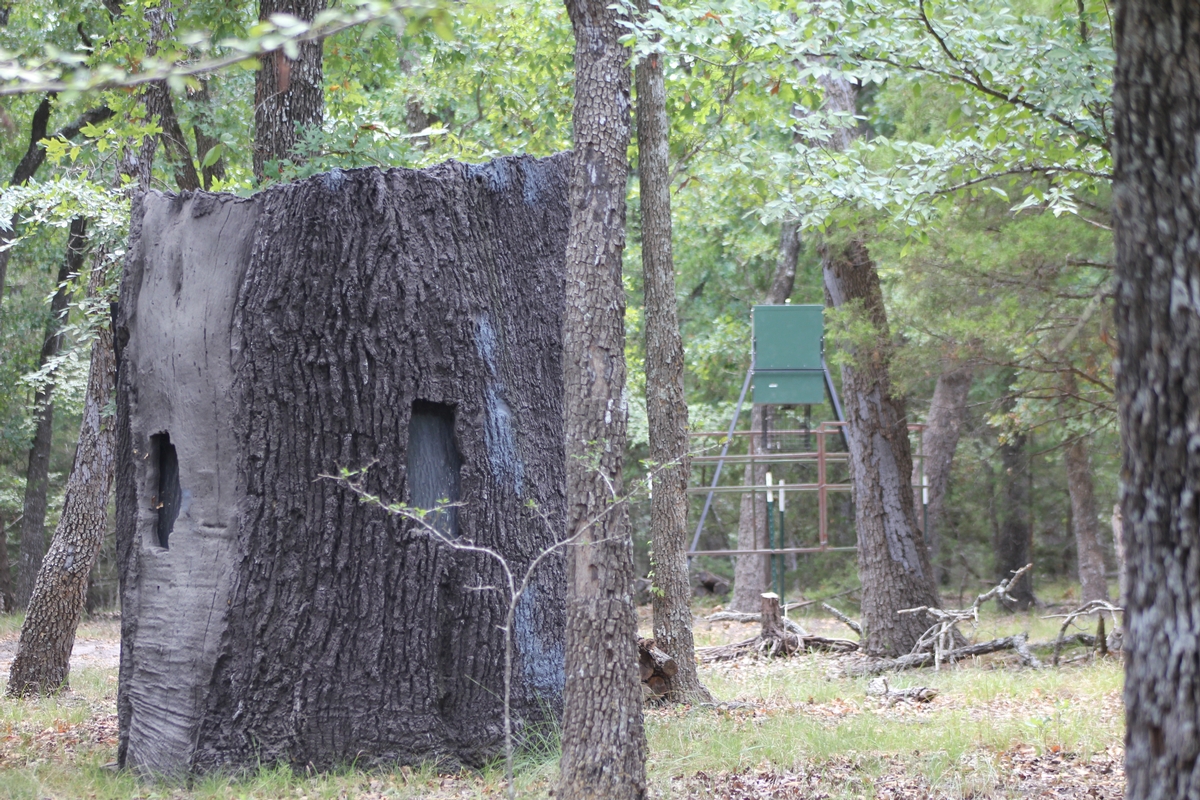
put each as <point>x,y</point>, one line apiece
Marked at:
<point>944,643</point>
<point>779,636</point>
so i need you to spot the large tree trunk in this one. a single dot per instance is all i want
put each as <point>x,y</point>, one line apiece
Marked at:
<point>287,93</point>
<point>603,746</point>
<point>943,426</point>
<point>406,323</point>
<point>1156,216</point>
<point>1014,537</point>
<point>666,402</point>
<point>1086,521</point>
<point>37,476</point>
<point>752,574</point>
<point>43,659</point>
<point>893,562</point>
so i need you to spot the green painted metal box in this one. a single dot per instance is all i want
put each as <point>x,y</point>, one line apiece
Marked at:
<point>788,346</point>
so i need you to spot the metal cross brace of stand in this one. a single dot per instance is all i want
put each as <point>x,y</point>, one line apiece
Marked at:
<point>835,401</point>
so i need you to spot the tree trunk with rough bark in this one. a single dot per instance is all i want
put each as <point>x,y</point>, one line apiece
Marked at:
<point>37,476</point>
<point>943,426</point>
<point>751,574</point>
<point>1086,521</point>
<point>1156,215</point>
<point>404,323</point>
<point>287,94</point>
<point>666,402</point>
<point>43,660</point>
<point>603,743</point>
<point>893,561</point>
<point>1014,540</point>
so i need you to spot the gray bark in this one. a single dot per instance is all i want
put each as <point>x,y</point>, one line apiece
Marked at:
<point>406,321</point>
<point>893,561</point>
<point>1086,521</point>
<point>37,475</point>
<point>603,747</point>
<point>666,402</point>
<point>943,427</point>
<point>1156,114</point>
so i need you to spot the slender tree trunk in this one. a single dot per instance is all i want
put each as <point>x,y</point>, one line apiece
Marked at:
<point>287,93</point>
<point>1014,539</point>
<point>37,476</point>
<point>6,584</point>
<point>43,659</point>
<point>603,744</point>
<point>1086,521</point>
<point>666,402</point>
<point>751,574</point>
<point>1118,529</point>
<point>202,100</point>
<point>35,154</point>
<point>893,561</point>
<point>943,426</point>
<point>1156,105</point>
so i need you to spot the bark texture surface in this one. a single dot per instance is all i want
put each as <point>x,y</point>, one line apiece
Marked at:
<point>43,660</point>
<point>287,93</point>
<point>666,402</point>
<point>893,562</point>
<point>943,427</point>
<point>1156,215</point>
<point>37,475</point>
<point>603,743</point>
<point>322,325</point>
<point>1085,519</point>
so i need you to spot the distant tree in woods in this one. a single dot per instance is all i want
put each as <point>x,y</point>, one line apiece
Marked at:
<point>287,92</point>
<point>666,402</point>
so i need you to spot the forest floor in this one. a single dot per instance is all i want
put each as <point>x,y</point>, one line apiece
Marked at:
<point>795,728</point>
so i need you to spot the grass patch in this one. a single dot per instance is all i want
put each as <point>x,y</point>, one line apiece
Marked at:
<point>796,728</point>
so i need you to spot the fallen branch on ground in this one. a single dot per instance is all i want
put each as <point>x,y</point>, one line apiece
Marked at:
<point>854,626</point>
<point>740,616</point>
<point>879,688</point>
<point>1019,643</point>
<point>1087,608</point>
<point>943,635</point>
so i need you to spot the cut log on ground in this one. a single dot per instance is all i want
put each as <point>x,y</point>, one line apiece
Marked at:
<point>777,638</point>
<point>657,669</point>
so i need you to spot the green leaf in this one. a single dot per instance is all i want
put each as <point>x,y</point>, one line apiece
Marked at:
<point>213,155</point>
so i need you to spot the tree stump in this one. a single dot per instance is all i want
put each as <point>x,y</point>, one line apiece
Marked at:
<point>406,323</point>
